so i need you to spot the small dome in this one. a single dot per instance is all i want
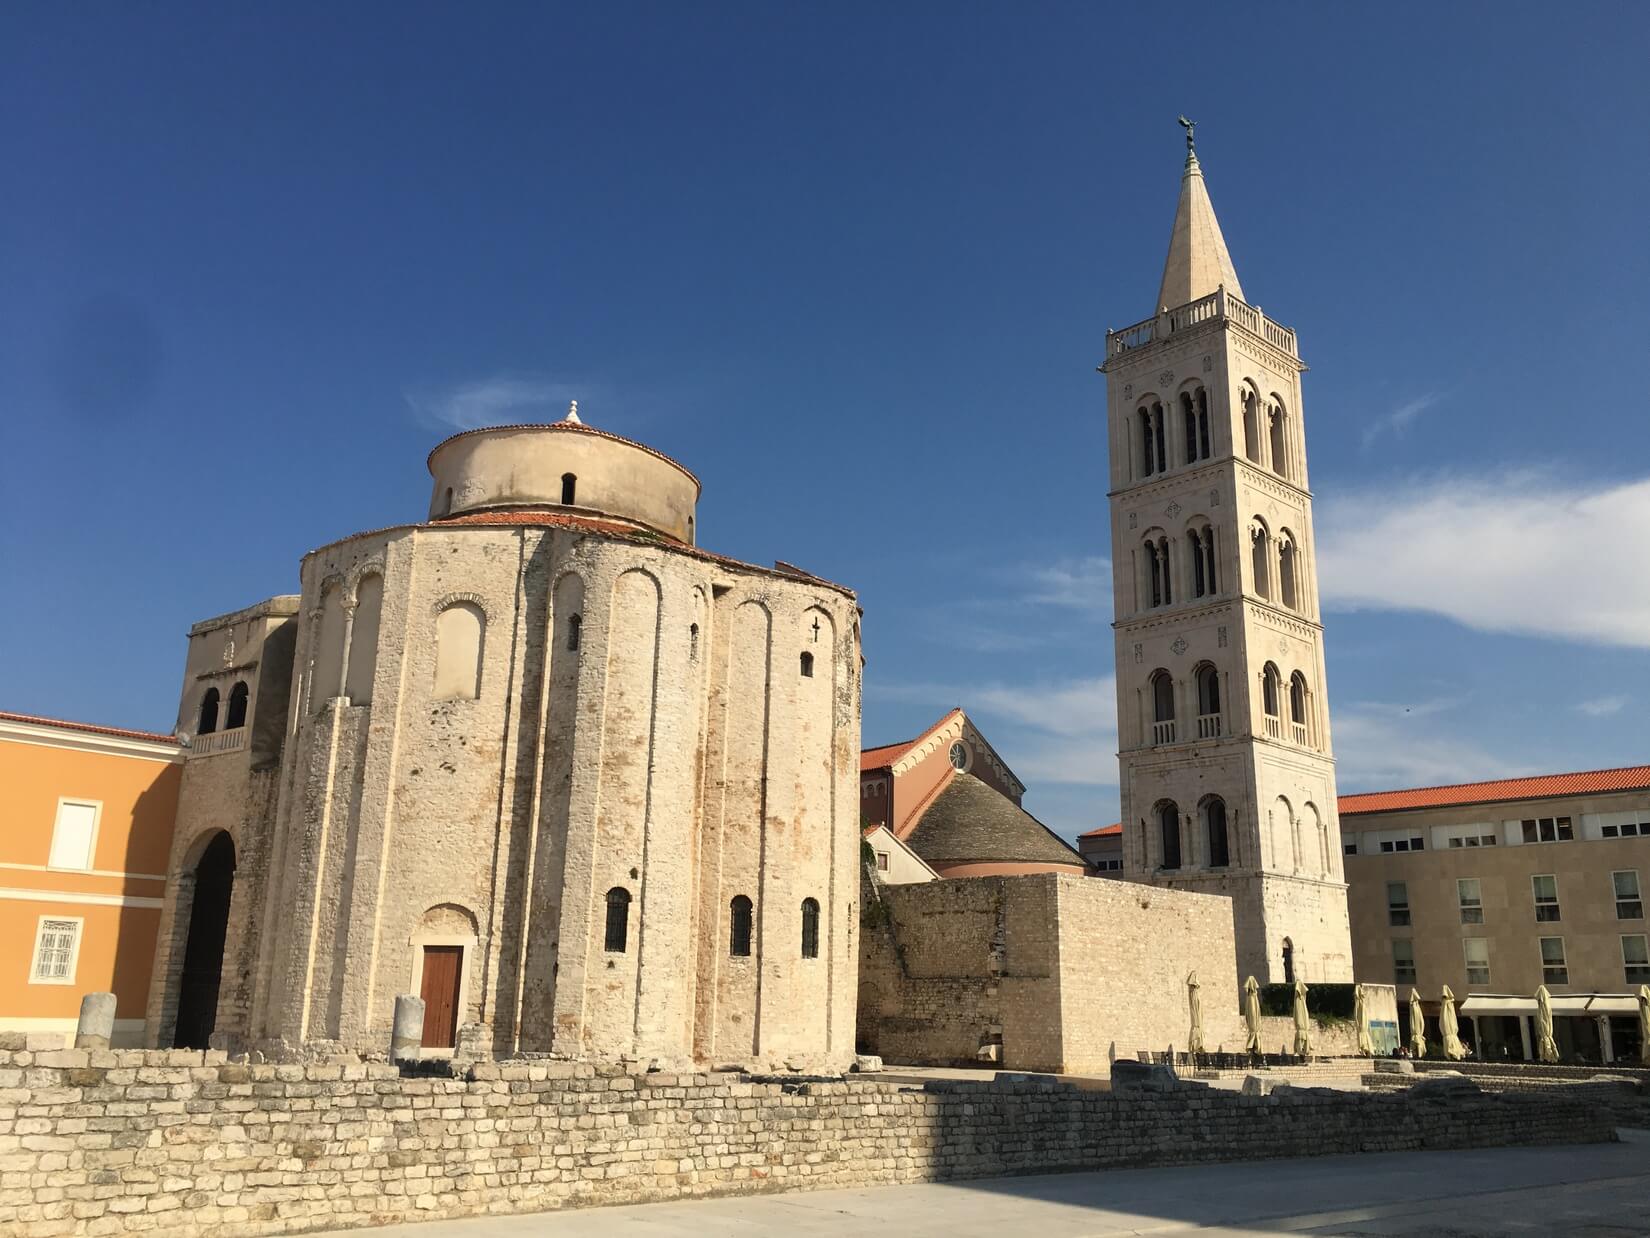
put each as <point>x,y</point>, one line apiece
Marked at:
<point>563,464</point>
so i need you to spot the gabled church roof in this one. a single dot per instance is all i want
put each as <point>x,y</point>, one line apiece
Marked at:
<point>969,820</point>
<point>1198,262</point>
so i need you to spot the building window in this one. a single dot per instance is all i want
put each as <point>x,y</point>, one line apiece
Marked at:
<point>882,861</point>
<point>1553,968</point>
<point>1297,708</point>
<point>1194,411</point>
<point>1397,904</point>
<point>1629,829</point>
<point>1251,426</point>
<point>1162,707</point>
<point>1629,904</point>
<point>1208,702</point>
<point>209,713</point>
<point>1402,844</point>
<point>1470,895</point>
<point>618,920</point>
<point>56,946</point>
<point>693,642</point>
<point>1214,821</point>
<point>1477,952</point>
<point>1548,830</point>
<point>810,928</point>
<point>1545,889</point>
<point>1280,441</point>
<point>1403,961</point>
<point>1635,957</point>
<point>1153,456</point>
<point>569,488</point>
<point>1108,866</point>
<point>1260,559</point>
<point>1168,820</point>
<point>1349,848</point>
<point>1286,571</point>
<point>807,666</point>
<point>235,717</point>
<point>460,636</point>
<point>74,835</point>
<point>739,927</point>
<point>575,632</point>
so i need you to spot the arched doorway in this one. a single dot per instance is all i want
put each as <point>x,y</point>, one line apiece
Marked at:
<point>1288,961</point>
<point>203,949</point>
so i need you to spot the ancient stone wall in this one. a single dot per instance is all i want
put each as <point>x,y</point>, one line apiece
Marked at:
<point>190,1144</point>
<point>1042,972</point>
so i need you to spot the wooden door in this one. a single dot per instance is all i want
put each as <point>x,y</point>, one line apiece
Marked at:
<point>440,993</point>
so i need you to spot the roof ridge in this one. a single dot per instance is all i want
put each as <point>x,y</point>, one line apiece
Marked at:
<point>91,728</point>
<point>1486,782</point>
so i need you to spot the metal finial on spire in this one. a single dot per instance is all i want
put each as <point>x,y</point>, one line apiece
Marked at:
<point>1190,126</point>
<point>573,413</point>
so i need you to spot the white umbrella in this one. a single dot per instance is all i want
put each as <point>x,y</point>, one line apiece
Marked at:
<point>1251,1014</point>
<point>1417,1026</point>
<point>1644,1023</point>
<point>1454,1050</point>
<point>1360,1016</point>
<point>1546,1050</point>
<point>1303,1022</point>
<point>1194,1042</point>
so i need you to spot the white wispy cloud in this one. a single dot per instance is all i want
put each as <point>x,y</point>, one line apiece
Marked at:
<point>498,400</point>
<point>1062,731</point>
<point>1523,552</point>
<point>1602,706</point>
<point>1399,419</point>
<point>1378,748</point>
<point>1084,584</point>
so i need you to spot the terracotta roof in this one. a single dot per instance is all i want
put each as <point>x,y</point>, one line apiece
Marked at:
<point>515,517</point>
<point>566,427</point>
<point>1103,831</point>
<point>971,820</point>
<point>90,728</point>
<point>886,755</point>
<point>1541,786</point>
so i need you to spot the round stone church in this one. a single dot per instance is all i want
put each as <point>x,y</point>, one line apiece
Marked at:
<point>539,759</point>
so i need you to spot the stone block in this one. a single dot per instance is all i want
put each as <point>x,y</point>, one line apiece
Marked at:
<point>97,1021</point>
<point>867,1063</point>
<point>1128,1075</point>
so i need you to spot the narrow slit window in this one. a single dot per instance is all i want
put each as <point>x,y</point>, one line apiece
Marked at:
<point>569,489</point>
<point>575,632</point>
<point>739,927</point>
<point>617,936</point>
<point>807,666</point>
<point>810,928</point>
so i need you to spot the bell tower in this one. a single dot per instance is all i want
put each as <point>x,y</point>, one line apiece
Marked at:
<point>1228,781</point>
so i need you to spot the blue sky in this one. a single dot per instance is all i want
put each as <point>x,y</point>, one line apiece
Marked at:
<point>853,264</point>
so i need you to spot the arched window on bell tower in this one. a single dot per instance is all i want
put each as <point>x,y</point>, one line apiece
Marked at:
<point>1288,588</point>
<point>1251,425</point>
<point>1278,421</point>
<point>1168,824</point>
<point>1260,558</point>
<point>1271,692</point>
<point>1214,826</point>
<point>1162,707</point>
<point>1208,701</point>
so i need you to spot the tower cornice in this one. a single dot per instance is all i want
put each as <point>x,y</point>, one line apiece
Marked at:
<point>1188,322</point>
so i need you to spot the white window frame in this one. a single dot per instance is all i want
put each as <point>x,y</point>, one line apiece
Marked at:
<point>91,846</point>
<point>1476,907</point>
<point>1618,900</point>
<point>1564,960</point>
<point>1535,899</point>
<point>79,923</point>
<point>1625,938</point>
<point>1466,958</point>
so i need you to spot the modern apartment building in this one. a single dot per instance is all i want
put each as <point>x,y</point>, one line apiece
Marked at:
<point>1495,888</point>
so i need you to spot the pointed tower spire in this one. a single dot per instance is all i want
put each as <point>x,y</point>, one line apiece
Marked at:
<point>1198,262</point>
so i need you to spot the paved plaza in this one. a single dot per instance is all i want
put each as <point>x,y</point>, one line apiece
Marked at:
<point>1596,1191</point>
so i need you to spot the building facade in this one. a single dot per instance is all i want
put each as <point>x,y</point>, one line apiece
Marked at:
<point>87,823</point>
<point>948,798</point>
<point>1228,779</point>
<point>538,759</point>
<point>1495,888</point>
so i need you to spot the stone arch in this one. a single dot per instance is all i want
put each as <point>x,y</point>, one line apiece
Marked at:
<point>1318,830</point>
<point>200,928</point>
<point>327,661</point>
<point>363,642</point>
<point>460,642</point>
<point>1278,435</point>
<point>443,947</point>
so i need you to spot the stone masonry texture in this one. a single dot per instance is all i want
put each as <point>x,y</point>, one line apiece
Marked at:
<point>188,1143</point>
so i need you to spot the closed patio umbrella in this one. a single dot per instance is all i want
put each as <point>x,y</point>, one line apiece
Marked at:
<point>1194,1041</point>
<point>1251,1014</point>
<point>1644,1024</point>
<point>1454,1050</point>
<point>1417,1026</point>
<point>1303,1022</point>
<point>1360,1016</point>
<point>1546,1050</point>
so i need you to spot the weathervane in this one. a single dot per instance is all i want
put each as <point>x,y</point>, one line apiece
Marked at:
<point>1190,126</point>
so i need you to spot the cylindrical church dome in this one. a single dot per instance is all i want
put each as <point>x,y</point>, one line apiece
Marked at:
<point>564,464</point>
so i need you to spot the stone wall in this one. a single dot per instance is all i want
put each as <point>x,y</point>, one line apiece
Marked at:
<point>117,1142</point>
<point>1042,972</point>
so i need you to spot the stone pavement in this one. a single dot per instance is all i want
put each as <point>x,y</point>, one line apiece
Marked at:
<point>1596,1191</point>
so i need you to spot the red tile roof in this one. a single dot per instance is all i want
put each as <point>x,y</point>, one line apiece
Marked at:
<point>1541,786</point>
<point>887,754</point>
<point>90,728</point>
<point>1103,831</point>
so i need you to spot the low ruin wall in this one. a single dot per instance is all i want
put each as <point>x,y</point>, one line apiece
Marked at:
<point>190,1144</point>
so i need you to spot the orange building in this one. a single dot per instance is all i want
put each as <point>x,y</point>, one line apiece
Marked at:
<point>86,817</point>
